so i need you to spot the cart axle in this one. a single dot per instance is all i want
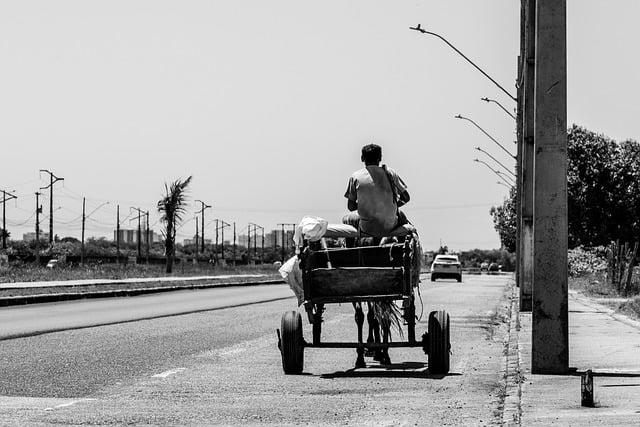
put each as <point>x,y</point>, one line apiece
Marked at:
<point>363,345</point>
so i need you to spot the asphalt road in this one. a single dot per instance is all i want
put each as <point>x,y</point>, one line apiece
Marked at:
<point>220,365</point>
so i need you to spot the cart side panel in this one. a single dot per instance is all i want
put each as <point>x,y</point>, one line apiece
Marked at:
<point>369,256</point>
<point>343,283</point>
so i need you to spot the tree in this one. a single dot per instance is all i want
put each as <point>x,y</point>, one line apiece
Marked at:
<point>505,220</point>
<point>171,208</point>
<point>603,191</point>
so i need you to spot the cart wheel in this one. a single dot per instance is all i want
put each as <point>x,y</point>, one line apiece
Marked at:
<point>439,342</point>
<point>459,278</point>
<point>292,346</point>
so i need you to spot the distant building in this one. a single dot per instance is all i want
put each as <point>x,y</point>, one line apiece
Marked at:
<point>31,237</point>
<point>131,236</point>
<point>187,242</point>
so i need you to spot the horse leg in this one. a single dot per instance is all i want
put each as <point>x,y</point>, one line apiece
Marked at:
<point>384,353</point>
<point>372,322</point>
<point>359,315</point>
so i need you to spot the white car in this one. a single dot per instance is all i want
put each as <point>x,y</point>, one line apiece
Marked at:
<point>446,266</point>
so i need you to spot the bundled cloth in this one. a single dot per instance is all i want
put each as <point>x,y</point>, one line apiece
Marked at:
<point>292,274</point>
<point>310,228</point>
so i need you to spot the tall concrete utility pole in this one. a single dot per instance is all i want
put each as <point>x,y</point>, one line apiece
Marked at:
<point>203,206</point>
<point>234,243</point>
<point>4,224</point>
<point>284,237</point>
<point>550,328</point>
<point>83,224</point>
<point>38,212</point>
<point>249,243</point>
<point>147,239</point>
<point>527,160</point>
<point>197,238</point>
<point>139,234</point>
<point>221,224</point>
<point>118,234</point>
<point>53,179</point>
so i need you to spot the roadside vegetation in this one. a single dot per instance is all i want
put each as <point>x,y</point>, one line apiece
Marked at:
<point>603,189</point>
<point>602,274</point>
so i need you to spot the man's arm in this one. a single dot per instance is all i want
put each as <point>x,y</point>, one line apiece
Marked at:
<point>352,195</point>
<point>403,198</point>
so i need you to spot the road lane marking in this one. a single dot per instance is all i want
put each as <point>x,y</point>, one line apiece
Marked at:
<point>64,405</point>
<point>262,342</point>
<point>170,372</point>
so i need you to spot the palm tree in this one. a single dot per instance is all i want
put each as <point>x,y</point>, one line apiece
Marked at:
<point>171,208</point>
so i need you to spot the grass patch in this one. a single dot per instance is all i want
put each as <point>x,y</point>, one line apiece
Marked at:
<point>19,272</point>
<point>593,284</point>
<point>631,308</point>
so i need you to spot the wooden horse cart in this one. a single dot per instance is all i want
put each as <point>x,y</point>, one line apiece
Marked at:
<point>364,274</point>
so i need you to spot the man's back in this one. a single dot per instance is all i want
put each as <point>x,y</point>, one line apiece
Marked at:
<point>370,188</point>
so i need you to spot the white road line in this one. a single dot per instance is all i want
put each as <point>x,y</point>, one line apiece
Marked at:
<point>260,342</point>
<point>64,405</point>
<point>165,374</point>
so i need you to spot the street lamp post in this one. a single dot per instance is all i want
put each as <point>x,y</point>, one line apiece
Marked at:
<point>423,31</point>
<point>485,99</point>
<point>510,187</point>
<point>498,173</point>
<point>496,160</point>
<point>485,132</point>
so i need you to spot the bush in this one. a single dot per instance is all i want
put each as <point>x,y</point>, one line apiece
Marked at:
<point>584,261</point>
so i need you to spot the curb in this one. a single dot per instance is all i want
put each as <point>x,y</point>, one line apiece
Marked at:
<point>512,411</point>
<point>44,298</point>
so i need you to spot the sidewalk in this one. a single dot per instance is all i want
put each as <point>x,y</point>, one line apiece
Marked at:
<point>600,340</point>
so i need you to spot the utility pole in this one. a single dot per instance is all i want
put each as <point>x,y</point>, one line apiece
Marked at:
<point>53,179</point>
<point>38,212</point>
<point>528,153</point>
<point>221,228</point>
<point>118,234</point>
<point>203,206</point>
<point>234,243</point>
<point>550,314</point>
<point>139,234</point>
<point>4,224</point>
<point>255,241</point>
<point>83,222</point>
<point>216,246</point>
<point>283,225</point>
<point>196,239</point>
<point>147,238</point>
<point>249,243</point>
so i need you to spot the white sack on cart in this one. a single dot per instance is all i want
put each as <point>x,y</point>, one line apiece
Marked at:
<point>311,228</point>
<point>292,274</point>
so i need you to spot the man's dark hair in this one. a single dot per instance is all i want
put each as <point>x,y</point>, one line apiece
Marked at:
<point>371,154</point>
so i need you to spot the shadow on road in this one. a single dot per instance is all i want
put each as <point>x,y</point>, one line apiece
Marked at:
<point>394,370</point>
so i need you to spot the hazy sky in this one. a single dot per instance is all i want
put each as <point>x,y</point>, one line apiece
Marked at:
<point>267,104</point>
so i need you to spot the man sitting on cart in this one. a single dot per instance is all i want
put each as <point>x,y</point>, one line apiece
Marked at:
<point>374,195</point>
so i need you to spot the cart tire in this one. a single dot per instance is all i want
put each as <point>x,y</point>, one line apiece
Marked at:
<point>439,344</point>
<point>459,278</point>
<point>433,277</point>
<point>292,345</point>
